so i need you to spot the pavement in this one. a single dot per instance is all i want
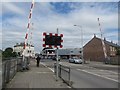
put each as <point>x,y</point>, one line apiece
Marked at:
<point>36,77</point>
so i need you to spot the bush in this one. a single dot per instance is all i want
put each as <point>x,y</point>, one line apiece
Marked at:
<point>9,53</point>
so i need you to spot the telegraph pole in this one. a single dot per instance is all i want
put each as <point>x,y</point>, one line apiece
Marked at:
<point>28,29</point>
<point>103,43</point>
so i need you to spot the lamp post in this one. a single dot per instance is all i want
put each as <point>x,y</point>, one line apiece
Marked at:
<point>81,41</point>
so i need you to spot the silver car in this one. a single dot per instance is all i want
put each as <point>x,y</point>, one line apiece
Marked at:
<point>78,61</point>
<point>75,60</point>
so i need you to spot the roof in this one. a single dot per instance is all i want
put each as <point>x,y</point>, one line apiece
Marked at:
<point>22,44</point>
<point>109,43</point>
<point>106,42</point>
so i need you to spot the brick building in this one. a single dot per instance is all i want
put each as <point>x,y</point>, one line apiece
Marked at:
<point>93,50</point>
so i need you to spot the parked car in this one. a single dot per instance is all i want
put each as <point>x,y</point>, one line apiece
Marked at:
<point>54,58</point>
<point>75,60</point>
<point>78,61</point>
<point>71,60</point>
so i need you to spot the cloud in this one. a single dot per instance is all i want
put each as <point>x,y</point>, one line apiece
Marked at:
<point>47,19</point>
<point>61,0</point>
<point>11,8</point>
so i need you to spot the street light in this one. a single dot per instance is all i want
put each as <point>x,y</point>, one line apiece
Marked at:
<point>81,41</point>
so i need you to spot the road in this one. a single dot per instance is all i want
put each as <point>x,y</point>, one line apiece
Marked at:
<point>90,75</point>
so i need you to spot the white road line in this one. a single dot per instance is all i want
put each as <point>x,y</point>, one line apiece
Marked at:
<point>98,75</point>
<point>102,69</point>
<point>69,87</point>
<point>43,72</point>
<point>107,65</point>
<point>94,68</point>
<point>47,67</point>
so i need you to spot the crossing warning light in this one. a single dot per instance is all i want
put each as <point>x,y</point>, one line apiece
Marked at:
<point>53,40</point>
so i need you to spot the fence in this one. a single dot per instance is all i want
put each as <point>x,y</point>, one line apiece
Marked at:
<point>10,67</point>
<point>63,73</point>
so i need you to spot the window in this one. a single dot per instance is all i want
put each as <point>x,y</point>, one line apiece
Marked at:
<point>110,48</point>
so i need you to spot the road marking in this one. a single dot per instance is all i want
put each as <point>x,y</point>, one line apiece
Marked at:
<point>47,67</point>
<point>107,65</point>
<point>90,67</point>
<point>43,72</point>
<point>69,87</point>
<point>101,69</point>
<point>98,75</point>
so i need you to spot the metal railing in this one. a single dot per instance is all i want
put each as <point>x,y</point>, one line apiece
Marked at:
<point>10,67</point>
<point>63,73</point>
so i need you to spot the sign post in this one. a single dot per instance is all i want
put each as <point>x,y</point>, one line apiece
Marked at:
<point>54,40</point>
<point>57,62</point>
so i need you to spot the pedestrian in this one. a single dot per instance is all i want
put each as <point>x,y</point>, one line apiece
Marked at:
<point>38,60</point>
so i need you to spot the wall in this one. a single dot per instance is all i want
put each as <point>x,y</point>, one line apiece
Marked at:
<point>93,50</point>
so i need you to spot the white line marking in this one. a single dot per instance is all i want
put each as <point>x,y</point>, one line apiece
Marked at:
<point>43,72</point>
<point>98,75</point>
<point>47,67</point>
<point>107,65</point>
<point>102,69</point>
<point>69,87</point>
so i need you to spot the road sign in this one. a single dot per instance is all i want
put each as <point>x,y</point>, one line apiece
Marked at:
<point>52,40</point>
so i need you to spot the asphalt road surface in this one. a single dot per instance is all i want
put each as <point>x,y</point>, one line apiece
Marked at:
<point>95,75</point>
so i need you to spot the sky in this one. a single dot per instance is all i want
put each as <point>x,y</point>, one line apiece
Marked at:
<point>48,16</point>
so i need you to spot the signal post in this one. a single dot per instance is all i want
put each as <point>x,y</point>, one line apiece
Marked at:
<point>54,40</point>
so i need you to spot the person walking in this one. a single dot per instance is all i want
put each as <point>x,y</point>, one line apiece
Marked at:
<point>38,60</point>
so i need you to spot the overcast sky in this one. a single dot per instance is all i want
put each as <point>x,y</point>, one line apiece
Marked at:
<point>48,16</point>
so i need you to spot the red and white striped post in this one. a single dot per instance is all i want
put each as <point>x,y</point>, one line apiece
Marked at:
<point>28,28</point>
<point>103,44</point>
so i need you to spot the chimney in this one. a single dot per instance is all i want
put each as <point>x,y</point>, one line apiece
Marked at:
<point>111,41</point>
<point>104,39</point>
<point>94,35</point>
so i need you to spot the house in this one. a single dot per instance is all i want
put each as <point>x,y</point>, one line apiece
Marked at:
<point>93,50</point>
<point>29,51</point>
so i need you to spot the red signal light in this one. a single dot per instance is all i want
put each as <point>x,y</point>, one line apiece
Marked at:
<point>61,46</point>
<point>56,34</point>
<point>43,39</point>
<point>44,45</point>
<point>61,35</point>
<point>44,33</point>
<point>50,34</point>
<point>61,41</point>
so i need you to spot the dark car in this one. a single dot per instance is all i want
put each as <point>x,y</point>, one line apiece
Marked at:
<point>54,58</point>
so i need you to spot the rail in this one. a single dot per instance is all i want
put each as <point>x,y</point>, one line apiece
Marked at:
<point>10,67</point>
<point>63,72</point>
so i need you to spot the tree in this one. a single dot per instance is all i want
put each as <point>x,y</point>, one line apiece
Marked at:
<point>9,53</point>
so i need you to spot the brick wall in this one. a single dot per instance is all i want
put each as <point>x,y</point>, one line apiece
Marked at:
<point>93,50</point>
